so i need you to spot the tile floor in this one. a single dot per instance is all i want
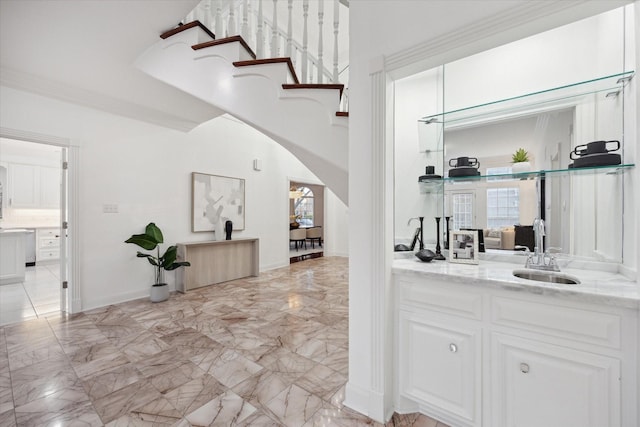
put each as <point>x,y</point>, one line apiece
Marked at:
<point>265,351</point>
<point>37,296</point>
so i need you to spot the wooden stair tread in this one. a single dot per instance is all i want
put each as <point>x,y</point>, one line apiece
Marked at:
<point>314,86</point>
<point>342,113</point>
<point>270,61</point>
<point>231,39</point>
<point>183,27</point>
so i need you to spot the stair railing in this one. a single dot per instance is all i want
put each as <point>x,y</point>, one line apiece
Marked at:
<point>246,18</point>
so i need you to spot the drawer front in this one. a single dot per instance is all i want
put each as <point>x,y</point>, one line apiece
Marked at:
<point>49,242</point>
<point>48,232</point>
<point>559,321</point>
<point>444,300</point>
<point>48,254</point>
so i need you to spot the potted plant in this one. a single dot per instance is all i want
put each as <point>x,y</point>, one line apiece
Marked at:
<point>520,161</point>
<point>150,240</point>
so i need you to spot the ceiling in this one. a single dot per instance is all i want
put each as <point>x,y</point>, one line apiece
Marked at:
<point>83,51</point>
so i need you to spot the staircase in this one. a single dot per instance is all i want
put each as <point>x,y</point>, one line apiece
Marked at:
<point>264,93</point>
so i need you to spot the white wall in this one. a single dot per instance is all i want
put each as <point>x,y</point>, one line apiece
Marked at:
<point>146,171</point>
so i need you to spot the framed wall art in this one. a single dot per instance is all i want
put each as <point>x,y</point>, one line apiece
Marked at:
<point>216,198</point>
<point>463,247</point>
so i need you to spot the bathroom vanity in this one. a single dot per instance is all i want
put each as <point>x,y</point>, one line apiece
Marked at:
<point>477,346</point>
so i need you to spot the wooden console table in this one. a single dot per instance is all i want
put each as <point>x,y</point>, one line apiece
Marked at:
<point>216,261</point>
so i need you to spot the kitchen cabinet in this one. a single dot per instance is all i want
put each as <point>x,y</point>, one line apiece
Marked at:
<point>48,244</point>
<point>538,384</point>
<point>12,256</point>
<point>441,364</point>
<point>34,186</point>
<point>24,186</point>
<point>474,356</point>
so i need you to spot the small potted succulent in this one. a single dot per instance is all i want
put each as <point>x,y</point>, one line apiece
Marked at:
<point>520,160</point>
<point>150,240</point>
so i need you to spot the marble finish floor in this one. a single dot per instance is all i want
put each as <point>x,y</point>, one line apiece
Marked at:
<point>265,351</point>
<point>37,296</point>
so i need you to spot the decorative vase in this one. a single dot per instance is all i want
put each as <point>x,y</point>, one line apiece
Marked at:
<point>521,167</point>
<point>228,228</point>
<point>159,292</point>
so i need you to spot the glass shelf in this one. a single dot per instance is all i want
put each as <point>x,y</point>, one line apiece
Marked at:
<point>594,170</point>
<point>529,103</point>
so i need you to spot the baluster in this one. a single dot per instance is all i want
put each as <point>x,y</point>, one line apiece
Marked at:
<point>218,31</point>
<point>305,14</point>
<point>250,25</point>
<point>289,28</point>
<point>245,18</point>
<point>274,30</point>
<point>336,25</point>
<point>259,34</point>
<point>206,14</point>
<point>231,26</point>
<point>320,22</point>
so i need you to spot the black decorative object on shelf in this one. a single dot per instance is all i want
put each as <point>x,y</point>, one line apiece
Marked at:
<point>421,218</point>
<point>595,153</point>
<point>439,255</point>
<point>446,240</point>
<point>429,174</point>
<point>464,166</point>
<point>228,226</point>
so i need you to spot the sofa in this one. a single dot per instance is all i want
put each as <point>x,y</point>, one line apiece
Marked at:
<point>499,238</point>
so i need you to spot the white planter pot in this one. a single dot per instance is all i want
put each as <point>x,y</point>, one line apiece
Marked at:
<point>159,293</point>
<point>521,167</point>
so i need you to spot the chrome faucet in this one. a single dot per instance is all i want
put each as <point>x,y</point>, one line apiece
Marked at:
<point>540,259</point>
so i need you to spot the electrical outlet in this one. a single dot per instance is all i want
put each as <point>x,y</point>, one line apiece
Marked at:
<point>110,208</point>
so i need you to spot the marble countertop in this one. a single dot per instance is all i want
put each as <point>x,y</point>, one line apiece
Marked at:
<point>15,231</point>
<point>600,287</point>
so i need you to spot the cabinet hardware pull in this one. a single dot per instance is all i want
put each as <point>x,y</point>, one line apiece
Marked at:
<point>524,368</point>
<point>453,348</point>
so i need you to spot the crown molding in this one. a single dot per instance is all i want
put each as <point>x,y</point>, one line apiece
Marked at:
<point>524,19</point>
<point>62,92</point>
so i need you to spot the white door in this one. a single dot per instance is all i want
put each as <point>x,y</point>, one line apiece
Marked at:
<point>537,384</point>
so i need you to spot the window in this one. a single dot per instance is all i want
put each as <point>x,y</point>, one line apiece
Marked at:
<point>462,210</point>
<point>503,207</point>
<point>303,207</point>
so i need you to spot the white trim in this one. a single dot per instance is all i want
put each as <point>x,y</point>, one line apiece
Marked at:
<point>73,290</point>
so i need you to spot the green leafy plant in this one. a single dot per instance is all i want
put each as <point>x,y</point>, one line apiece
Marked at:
<point>520,156</point>
<point>150,240</point>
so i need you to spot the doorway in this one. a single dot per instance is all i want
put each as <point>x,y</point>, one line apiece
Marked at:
<point>33,177</point>
<point>306,221</point>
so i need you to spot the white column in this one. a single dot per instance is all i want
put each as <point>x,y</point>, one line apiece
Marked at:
<point>274,30</point>
<point>320,47</point>
<point>289,28</point>
<point>259,34</point>
<point>336,25</point>
<point>206,14</point>
<point>305,42</point>
<point>244,31</point>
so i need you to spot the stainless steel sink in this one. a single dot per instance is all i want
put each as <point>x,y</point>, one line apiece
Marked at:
<point>547,276</point>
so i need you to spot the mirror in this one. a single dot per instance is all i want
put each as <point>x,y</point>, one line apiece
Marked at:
<point>545,94</point>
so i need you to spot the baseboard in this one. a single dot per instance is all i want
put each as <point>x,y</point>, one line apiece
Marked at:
<point>274,266</point>
<point>356,398</point>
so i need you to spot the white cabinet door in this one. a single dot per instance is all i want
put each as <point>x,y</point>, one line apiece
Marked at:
<point>12,265</point>
<point>536,384</point>
<point>440,365</point>
<point>49,187</point>
<point>24,186</point>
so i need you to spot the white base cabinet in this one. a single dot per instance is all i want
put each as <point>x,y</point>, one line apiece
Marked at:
<point>485,357</point>
<point>537,384</point>
<point>441,367</point>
